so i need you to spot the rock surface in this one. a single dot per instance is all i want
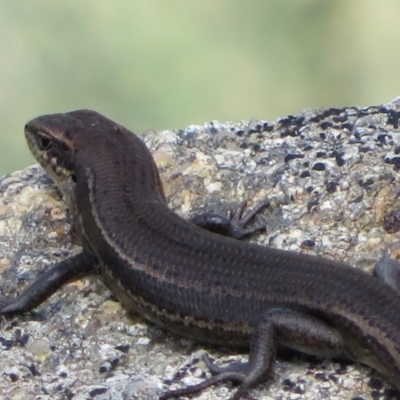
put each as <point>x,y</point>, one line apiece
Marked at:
<point>332,178</point>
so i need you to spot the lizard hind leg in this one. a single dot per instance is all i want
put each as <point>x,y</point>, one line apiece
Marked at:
<point>237,372</point>
<point>220,377</point>
<point>248,374</point>
<point>294,329</point>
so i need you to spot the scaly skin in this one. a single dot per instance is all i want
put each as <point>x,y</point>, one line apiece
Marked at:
<point>194,282</point>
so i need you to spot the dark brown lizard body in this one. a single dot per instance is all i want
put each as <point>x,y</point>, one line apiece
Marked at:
<point>197,283</point>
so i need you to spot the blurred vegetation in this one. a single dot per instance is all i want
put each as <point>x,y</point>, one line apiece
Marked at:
<point>167,64</point>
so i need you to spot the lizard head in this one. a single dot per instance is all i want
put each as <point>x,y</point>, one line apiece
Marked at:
<point>56,139</point>
<point>50,144</point>
<point>66,144</point>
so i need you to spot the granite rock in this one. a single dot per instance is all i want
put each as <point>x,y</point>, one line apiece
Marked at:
<point>331,176</point>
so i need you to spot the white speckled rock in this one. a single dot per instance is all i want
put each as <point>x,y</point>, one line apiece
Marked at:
<point>332,178</point>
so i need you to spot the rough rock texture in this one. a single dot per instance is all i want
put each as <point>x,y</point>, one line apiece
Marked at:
<point>332,178</point>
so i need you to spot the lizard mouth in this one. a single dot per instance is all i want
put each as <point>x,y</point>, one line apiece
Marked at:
<point>54,156</point>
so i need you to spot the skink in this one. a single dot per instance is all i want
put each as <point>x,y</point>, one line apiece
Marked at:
<point>196,283</point>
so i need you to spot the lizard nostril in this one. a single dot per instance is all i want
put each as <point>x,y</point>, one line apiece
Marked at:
<point>26,127</point>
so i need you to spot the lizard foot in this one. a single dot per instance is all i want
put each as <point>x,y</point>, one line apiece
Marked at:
<point>234,225</point>
<point>236,372</point>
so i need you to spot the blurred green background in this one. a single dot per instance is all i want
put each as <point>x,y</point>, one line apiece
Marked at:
<point>167,64</point>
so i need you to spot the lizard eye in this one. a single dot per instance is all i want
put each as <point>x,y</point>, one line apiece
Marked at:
<point>44,143</point>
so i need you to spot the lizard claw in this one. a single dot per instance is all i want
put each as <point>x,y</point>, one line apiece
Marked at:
<point>234,225</point>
